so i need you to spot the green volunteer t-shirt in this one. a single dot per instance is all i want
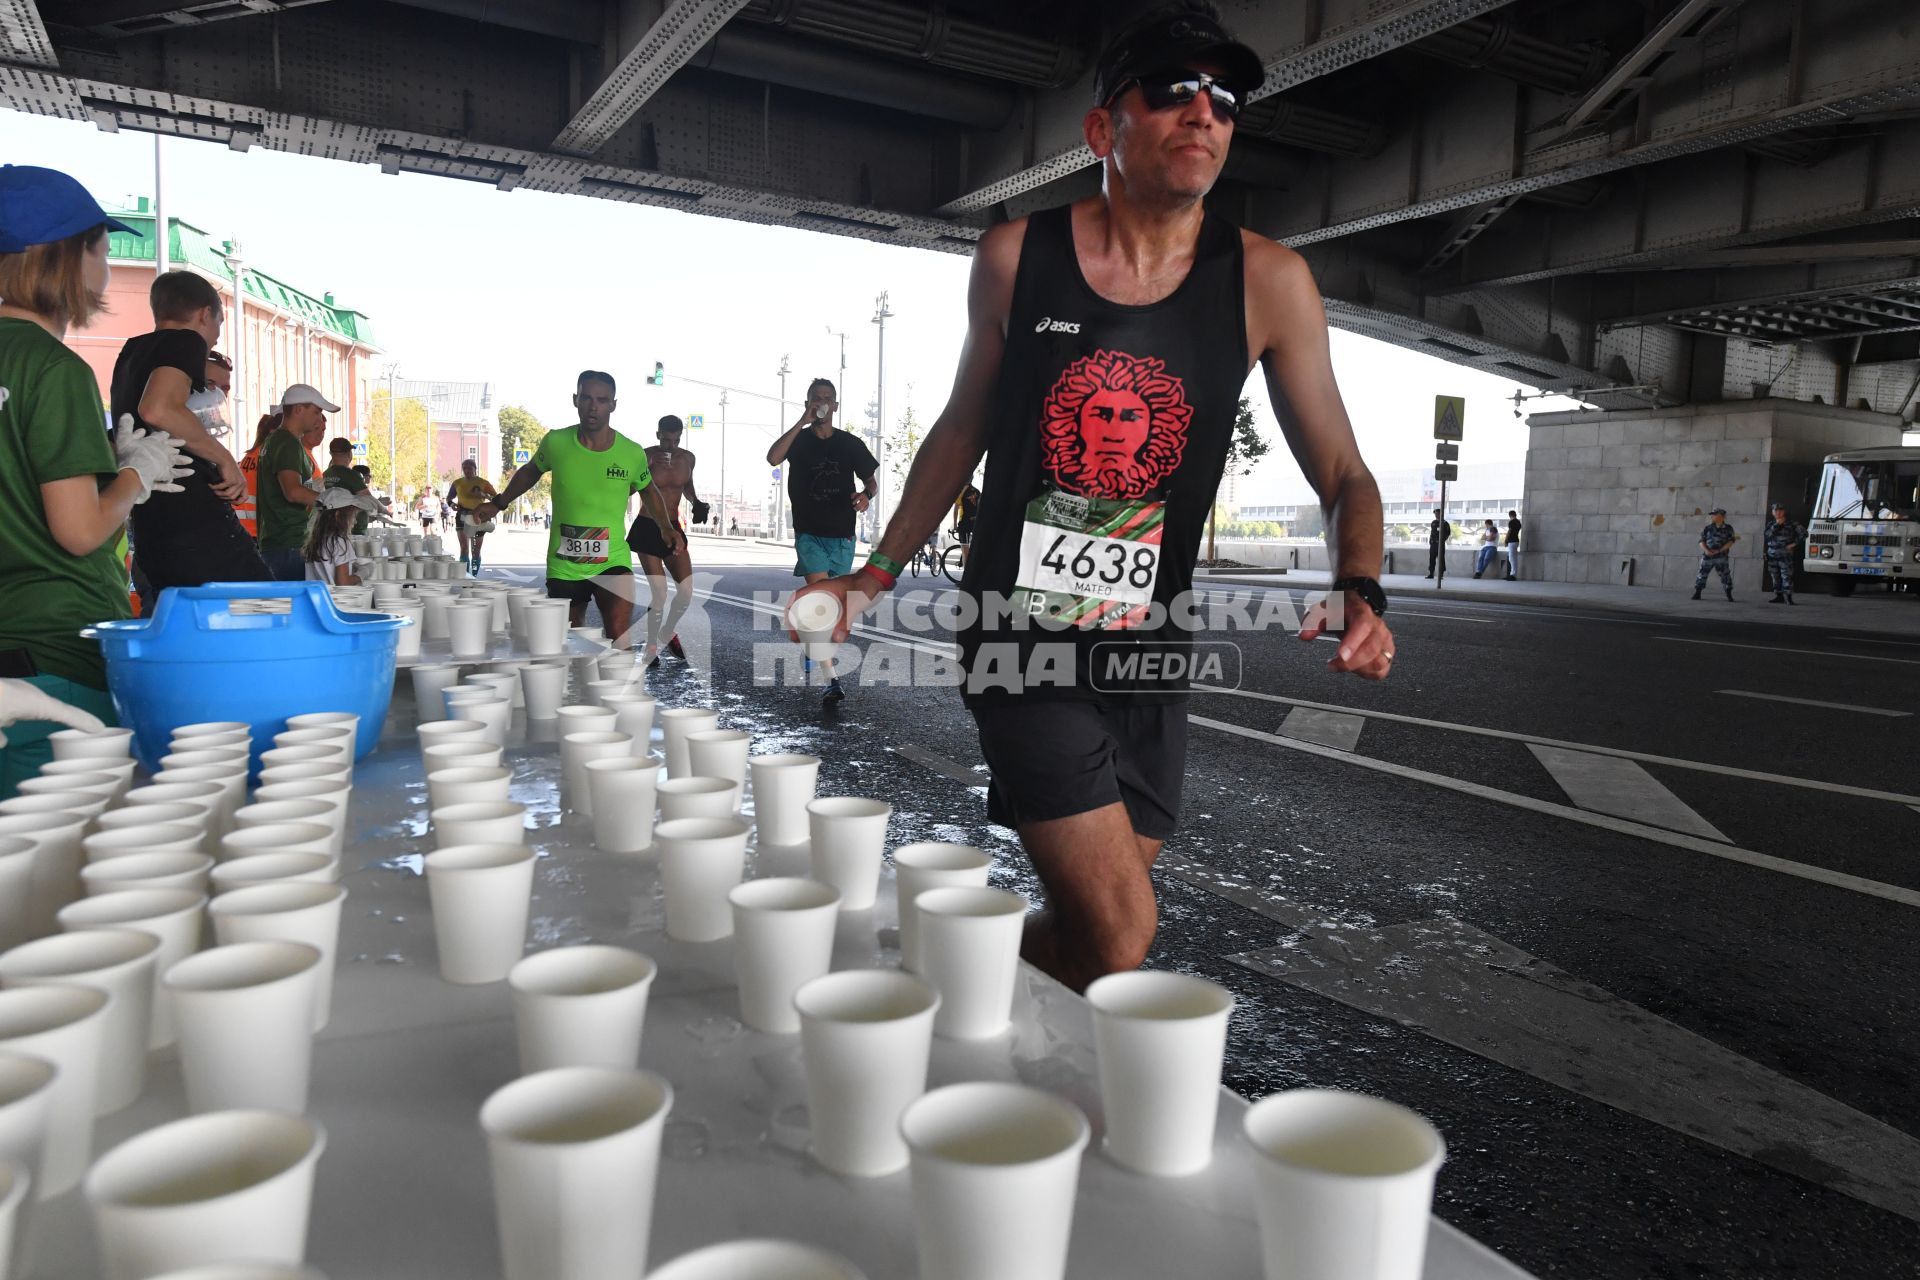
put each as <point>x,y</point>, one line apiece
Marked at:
<point>590,491</point>
<point>52,427</point>
<point>350,480</point>
<point>283,524</point>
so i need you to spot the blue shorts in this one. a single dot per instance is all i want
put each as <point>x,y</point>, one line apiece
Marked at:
<point>832,556</point>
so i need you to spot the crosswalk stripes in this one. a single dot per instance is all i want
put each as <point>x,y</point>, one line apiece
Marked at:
<point>1334,729</point>
<point>1608,784</point>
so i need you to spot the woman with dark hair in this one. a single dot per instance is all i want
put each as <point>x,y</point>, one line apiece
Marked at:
<point>65,490</point>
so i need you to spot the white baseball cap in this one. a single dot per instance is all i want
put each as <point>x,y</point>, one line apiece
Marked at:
<point>301,393</point>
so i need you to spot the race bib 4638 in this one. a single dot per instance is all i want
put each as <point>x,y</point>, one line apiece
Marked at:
<point>1089,562</point>
<point>580,545</point>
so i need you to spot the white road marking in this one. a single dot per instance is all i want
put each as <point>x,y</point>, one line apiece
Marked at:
<point>1911,644</point>
<point>1606,822</point>
<point>1534,611</point>
<point>1608,784</point>
<point>1328,728</point>
<point>1812,702</point>
<point>1770,648</point>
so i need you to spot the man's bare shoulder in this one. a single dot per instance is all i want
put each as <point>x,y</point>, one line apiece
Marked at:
<point>1271,266</point>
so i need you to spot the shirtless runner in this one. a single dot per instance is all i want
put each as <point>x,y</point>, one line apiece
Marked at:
<point>672,469</point>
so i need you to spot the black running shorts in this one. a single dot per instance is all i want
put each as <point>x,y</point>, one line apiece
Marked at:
<point>1053,758</point>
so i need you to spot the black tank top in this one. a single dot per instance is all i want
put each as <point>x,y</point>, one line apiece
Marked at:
<point>1132,408</point>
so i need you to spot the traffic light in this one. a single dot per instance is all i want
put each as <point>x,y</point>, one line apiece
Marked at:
<point>659,378</point>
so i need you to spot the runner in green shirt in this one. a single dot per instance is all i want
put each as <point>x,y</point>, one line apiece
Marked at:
<point>595,469</point>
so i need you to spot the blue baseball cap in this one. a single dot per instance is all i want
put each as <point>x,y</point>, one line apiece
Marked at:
<point>40,206</point>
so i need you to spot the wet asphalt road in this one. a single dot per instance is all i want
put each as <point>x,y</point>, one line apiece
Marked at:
<point>1812,982</point>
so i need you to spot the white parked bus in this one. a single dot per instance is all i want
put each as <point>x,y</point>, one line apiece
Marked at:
<point>1866,517</point>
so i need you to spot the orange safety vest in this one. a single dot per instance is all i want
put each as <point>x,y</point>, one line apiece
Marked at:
<point>248,508</point>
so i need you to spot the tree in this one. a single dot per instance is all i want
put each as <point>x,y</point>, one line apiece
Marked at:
<point>410,425</point>
<point>1243,453</point>
<point>519,429</point>
<point>903,441</point>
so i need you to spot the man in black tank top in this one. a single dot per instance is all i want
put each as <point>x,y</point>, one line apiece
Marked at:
<point>1107,344</point>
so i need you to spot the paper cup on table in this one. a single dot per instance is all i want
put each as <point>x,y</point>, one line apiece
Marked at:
<point>100,744</point>
<point>675,724</point>
<point>439,605</point>
<point>167,837</point>
<point>330,813</point>
<point>233,758</point>
<point>504,683</point>
<point>101,786</point>
<point>701,859</point>
<point>482,895</point>
<point>118,963</point>
<point>145,816</point>
<point>445,731</point>
<point>695,798</point>
<point>782,940</point>
<point>171,915</point>
<point>484,705</point>
<point>813,616</point>
<point>16,1186</point>
<point>517,598</point>
<point>148,871</point>
<point>84,807</point>
<point>633,714</point>
<point>429,680</point>
<point>546,623</point>
<point>543,685</point>
<point>271,838</point>
<point>582,1006</point>
<point>232,784</point>
<point>782,788</point>
<point>304,763</point>
<point>461,753</point>
<point>65,1025</point>
<point>56,861</point>
<point>474,785</point>
<point>26,1085</point>
<point>931,864</point>
<point>206,795</point>
<point>336,793</point>
<point>286,911</point>
<point>599,690</point>
<point>16,886</point>
<point>849,843</point>
<point>587,719</point>
<point>1344,1185</point>
<point>865,1038</point>
<point>575,1154</point>
<point>720,753</point>
<point>236,1184</point>
<point>206,728</point>
<point>969,942</point>
<point>407,639</point>
<point>758,1260</point>
<point>1160,1039</point>
<point>576,749</point>
<point>244,1271</point>
<point>343,742</point>
<point>622,790</point>
<point>995,1171</point>
<point>483,822</point>
<point>268,868</point>
<point>121,771</point>
<point>244,1013</point>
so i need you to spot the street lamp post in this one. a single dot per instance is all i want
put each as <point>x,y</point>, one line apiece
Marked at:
<point>393,435</point>
<point>880,317</point>
<point>779,505</point>
<point>720,526</point>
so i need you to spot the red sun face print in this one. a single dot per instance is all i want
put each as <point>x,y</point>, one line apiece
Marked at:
<point>1113,426</point>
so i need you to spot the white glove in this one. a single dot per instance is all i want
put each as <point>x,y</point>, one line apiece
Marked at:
<point>318,484</point>
<point>153,456</point>
<point>22,700</point>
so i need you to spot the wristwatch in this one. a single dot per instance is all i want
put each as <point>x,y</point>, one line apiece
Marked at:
<point>1367,589</point>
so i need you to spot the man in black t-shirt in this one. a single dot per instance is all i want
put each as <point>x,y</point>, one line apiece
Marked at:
<point>1439,531</point>
<point>191,537</point>
<point>822,465</point>
<point>1513,545</point>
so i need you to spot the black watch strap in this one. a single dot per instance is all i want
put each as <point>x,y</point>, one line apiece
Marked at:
<point>1367,589</point>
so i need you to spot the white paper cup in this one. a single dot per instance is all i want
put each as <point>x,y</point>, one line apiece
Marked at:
<point>429,679</point>
<point>471,752</point>
<point>865,1037</point>
<point>204,728</point>
<point>102,744</point>
<point>236,1184</point>
<point>1160,1039</point>
<point>504,683</point>
<point>546,623</point>
<point>277,837</point>
<point>120,964</point>
<point>409,637</point>
<point>812,616</point>
<point>230,758</point>
<point>758,1260</point>
<point>443,731</point>
<point>103,846</point>
<point>469,628</point>
<point>782,788</point>
<point>287,911</point>
<point>586,719</point>
<point>542,686</point>
<point>1345,1185</point>
<point>121,771</point>
<point>336,793</point>
<point>16,1184</point>
<point>931,864</point>
<point>310,762</point>
<point>599,690</point>
<point>343,742</point>
<point>695,798</point>
<point>622,791</point>
<point>148,871</point>
<point>232,784</point>
<point>468,785</point>
<point>244,1012</point>
<point>101,785</point>
<point>578,748</point>
<point>483,822</point>
<point>575,1154</point>
<point>675,724</point>
<point>720,753</point>
<point>633,714</point>
<point>849,844</point>
<point>701,859</point>
<point>782,940</point>
<point>83,806</point>
<point>16,887</point>
<point>65,1025</point>
<point>582,1006</point>
<point>970,949</point>
<point>244,1271</point>
<point>995,1171</point>
<point>486,706</point>
<point>438,605</point>
<point>141,817</point>
<point>330,813</point>
<point>26,1108</point>
<point>270,868</point>
<point>482,895</point>
<point>56,863</point>
<point>517,598</point>
<point>171,915</point>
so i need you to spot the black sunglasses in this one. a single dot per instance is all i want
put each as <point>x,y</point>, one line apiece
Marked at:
<point>1167,89</point>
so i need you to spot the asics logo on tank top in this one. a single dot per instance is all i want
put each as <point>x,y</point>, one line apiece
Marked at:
<point>1049,325</point>
<point>1114,426</point>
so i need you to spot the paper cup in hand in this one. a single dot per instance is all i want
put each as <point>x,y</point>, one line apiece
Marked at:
<point>995,1171</point>
<point>1160,1039</point>
<point>849,837</point>
<point>931,864</point>
<point>970,950</point>
<point>286,911</point>
<point>117,962</point>
<point>481,895</point>
<point>782,787</point>
<point>244,1013</point>
<point>758,1260</point>
<point>172,915</point>
<point>622,792</point>
<point>865,1037</point>
<point>575,1154</point>
<point>701,859</point>
<point>582,1006</point>
<point>782,940</point>
<point>676,724</point>
<point>1345,1185</point>
<point>236,1184</point>
<point>66,1026</point>
<point>813,616</point>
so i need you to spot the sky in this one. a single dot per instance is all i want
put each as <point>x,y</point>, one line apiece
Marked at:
<point>524,289</point>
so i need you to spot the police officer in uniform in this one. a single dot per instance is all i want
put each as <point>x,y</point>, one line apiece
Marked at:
<point>1439,530</point>
<point>1716,547</point>
<point>1783,544</point>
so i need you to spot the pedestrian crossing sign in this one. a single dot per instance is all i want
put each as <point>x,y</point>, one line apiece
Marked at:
<point>1449,417</point>
<point>695,421</point>
<point>521,457</point>
<point>360,448</point>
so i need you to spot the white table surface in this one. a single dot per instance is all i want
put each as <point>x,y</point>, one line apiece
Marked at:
<point>403,1191</point>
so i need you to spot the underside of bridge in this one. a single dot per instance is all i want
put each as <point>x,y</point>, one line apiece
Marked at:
<point>1688,202</point>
